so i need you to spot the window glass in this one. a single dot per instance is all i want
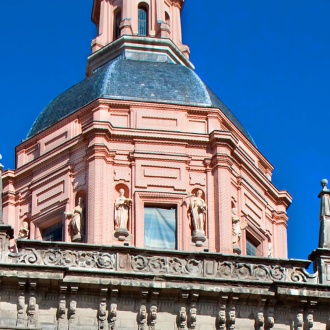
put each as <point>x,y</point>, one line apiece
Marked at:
<point>52,233</point>
<point>143,22</point>
<point>160,228</point>
<point>117,25</point>
<point>251,249</point>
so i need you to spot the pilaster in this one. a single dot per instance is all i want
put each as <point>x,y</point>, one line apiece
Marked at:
<point>99,217</point>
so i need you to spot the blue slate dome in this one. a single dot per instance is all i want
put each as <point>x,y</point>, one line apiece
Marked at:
<point>122,79</point>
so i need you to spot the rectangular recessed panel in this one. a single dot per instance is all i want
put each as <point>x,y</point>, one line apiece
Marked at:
<point>197,126</point>
<point>161,172</point>
<point>253,208</point>
<point>57,140</point>
<point>50,194</point>
<point>119,120</point>
<point>159,122</point>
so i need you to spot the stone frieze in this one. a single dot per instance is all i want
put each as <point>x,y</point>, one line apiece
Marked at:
<point>66,258</point>
<point>199,266</point>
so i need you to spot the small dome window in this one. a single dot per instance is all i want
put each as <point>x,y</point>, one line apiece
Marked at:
<point>143,21</point>
<point>116,28</point>
<point>167,18</point>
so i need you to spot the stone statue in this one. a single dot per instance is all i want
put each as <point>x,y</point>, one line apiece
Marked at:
<point>77,221</point>
<point>1,171</point>
<point>102,315</point>
<point>142,318</point>
<point>122,206</point>
<point>31,313</point>
<point>237,231</point>
<point>222,318</point>
<point>72,314</point>
<point>24,231</point>
<point>113,316</point>
<point>198,214</point>
<point>324,195</point>
<point>193,317</point>
<point>259,321</point>
<point>231,318</point>
<point>270,321</point>
<point>153,317</point>
<point>182,319</point>
<point>198,210</point>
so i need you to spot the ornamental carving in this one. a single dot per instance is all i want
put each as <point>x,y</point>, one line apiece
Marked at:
<point>65,258</point>
<point>165,265</point>
<point>177,265</point>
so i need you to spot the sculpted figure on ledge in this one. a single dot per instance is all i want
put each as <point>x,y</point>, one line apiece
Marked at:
<point>77,221</point>
<point>122,206</point>
<point>24,231</point>
<point>198,214</point>
<point>237,231</point>
<point>198,209</point>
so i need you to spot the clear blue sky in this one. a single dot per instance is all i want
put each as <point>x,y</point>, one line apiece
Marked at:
<point>269,61</point>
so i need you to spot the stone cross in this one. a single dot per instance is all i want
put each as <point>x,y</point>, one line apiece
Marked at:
<point>1,171</point>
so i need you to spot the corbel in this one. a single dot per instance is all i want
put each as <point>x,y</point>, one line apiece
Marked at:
<point>259,315</point>
<point>153,310</point>
<point>113,308</point>
<point>270,314</point>
<point>102,314</point>
<point>62,312</point>
<point>73,308</point>
<point>32,306</point>
<point>299,317</point>
<point>231,313</point>
<point>193,310</point>
<point>310,314</point>
<point>21,317</point>
<point>142,314</point>
<point>222,314</point>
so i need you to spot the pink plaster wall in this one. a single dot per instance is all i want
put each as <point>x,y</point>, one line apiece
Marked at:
<point>109,144</point>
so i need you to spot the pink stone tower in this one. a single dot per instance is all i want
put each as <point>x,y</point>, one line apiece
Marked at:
<point>143,153</point>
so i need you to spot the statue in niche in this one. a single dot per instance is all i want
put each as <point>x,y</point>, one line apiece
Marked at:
<point>77,221</point>
<point>324,195</point>
<point>237,231</point>
<point>24,231</point>
<point>198,208</point>
<point>198,213</point>
<point>122,206</point>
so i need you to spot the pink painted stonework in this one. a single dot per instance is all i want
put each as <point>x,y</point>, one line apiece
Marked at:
<point>157,151</point>
<point>139,201</point>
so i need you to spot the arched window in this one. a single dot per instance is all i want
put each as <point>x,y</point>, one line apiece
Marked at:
<point>116,28</point>
<point>143,21</point>
<point>167,18</point>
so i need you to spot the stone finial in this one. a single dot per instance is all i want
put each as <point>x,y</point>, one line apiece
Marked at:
<point>324,184</point>
<point>324,195</point>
